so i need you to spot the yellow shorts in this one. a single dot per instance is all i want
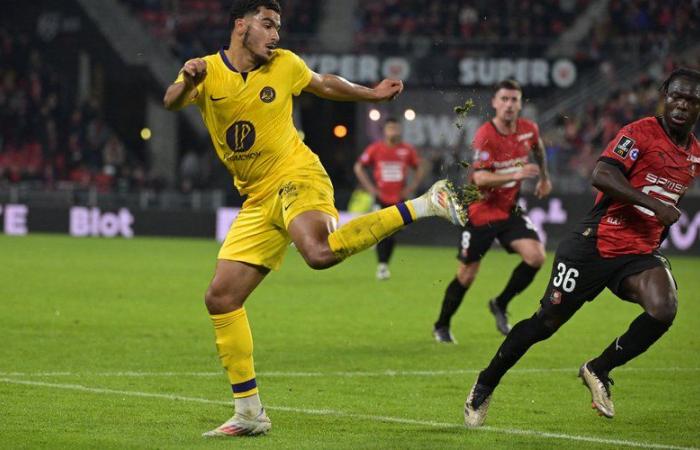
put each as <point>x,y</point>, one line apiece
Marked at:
<point>259,234</point>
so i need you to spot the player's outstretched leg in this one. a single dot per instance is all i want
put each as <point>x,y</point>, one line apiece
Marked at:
<point>523,335</point>
<point>655,290</point>
<point>441,200</point>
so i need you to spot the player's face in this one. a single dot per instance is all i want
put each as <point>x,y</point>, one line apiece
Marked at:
<point>682,104</point>
<point>262,34</point>
<point>392,132</point>
<point>507,103</point>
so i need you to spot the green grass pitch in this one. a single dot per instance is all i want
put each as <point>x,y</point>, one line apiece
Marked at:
<point>106,344</point>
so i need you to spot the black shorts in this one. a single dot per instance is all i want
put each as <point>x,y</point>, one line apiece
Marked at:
<point>579,274</point>
<point>476,241</point>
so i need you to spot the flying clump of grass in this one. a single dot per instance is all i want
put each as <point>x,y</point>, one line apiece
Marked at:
<point>466,193</point>
<point>462,111</point>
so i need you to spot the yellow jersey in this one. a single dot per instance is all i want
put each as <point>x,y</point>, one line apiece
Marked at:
<point>249,118</point>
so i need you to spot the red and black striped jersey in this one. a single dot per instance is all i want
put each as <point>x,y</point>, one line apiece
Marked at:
<point>500,153</point>
<point>653,164</point>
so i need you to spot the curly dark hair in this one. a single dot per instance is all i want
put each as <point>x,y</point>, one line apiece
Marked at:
<point>241,8</point>
<point>682,72</point>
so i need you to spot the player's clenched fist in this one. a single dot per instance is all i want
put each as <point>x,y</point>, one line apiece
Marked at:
<point>194,71</point>
<point>388,90</point>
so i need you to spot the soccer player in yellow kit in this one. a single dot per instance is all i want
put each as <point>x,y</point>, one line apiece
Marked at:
<point>244,93</point>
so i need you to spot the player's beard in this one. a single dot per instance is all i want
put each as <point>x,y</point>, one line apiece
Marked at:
<point>258,59</point>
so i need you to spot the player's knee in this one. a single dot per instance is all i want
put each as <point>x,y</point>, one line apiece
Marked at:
<point>665,309</point>
<point>218,302</point>
<point>466,278</point>
<point>319,258</point>
<point>535,259</point>
<point>466,274</point>
<point>550,322</point>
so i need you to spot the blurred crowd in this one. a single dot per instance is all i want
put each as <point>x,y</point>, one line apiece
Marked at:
<point>49,140</point>
<point>651,28</point>
<point>199,27</point>
<point>460,20</point>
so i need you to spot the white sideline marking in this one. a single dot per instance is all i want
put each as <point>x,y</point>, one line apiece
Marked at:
<point>380,373</point>
<point>331,412</point>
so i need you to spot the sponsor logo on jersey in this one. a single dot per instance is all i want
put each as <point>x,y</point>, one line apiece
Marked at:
<point>390,171</point>
<point>634,154</point>
<point>555,297</point>
<point>240,136</point>
<point>669,185</point>
<point>518,162</point>
<point>694,159</point>
<point>267,94</point>
<point>623,147</point>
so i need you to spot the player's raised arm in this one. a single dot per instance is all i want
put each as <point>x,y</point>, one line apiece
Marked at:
<point>609,179</point>
<point>333,87</point>
<point>180,93</point>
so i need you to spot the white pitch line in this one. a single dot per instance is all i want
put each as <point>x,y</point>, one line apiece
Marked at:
<point>349,374</point>
<point>331,412</point>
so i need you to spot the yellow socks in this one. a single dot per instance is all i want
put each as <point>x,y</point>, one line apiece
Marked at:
<point>365,231</point>
<point>234,343</point>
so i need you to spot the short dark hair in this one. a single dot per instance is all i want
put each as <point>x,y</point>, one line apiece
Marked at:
<point>241,8</point>
<point>681,72</point>
<point>391,119</point>
<point>507,84</point>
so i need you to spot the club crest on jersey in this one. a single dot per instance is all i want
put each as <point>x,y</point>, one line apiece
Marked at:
<point>555,298</point>
<point>623,147</point>
<point>634,154</point>
<point>481,155</point>
<point>267,94</point>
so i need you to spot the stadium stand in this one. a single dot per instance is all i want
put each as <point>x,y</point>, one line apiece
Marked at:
<point>641,27</point>
<point>47,139</point>
<point>196,27</point>
<point>507,25</point>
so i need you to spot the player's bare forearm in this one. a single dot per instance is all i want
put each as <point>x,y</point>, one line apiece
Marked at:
<point>608,179</point>
<point>177,95</point>
<point>333,87</point>
<point>363,178</point>
<point>487,179</point>
<point>540,155</point>
<point>417,178</point>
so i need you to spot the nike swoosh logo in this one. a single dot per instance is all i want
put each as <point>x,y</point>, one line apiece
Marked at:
<point>211,97</point>
<point>287,207</point>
